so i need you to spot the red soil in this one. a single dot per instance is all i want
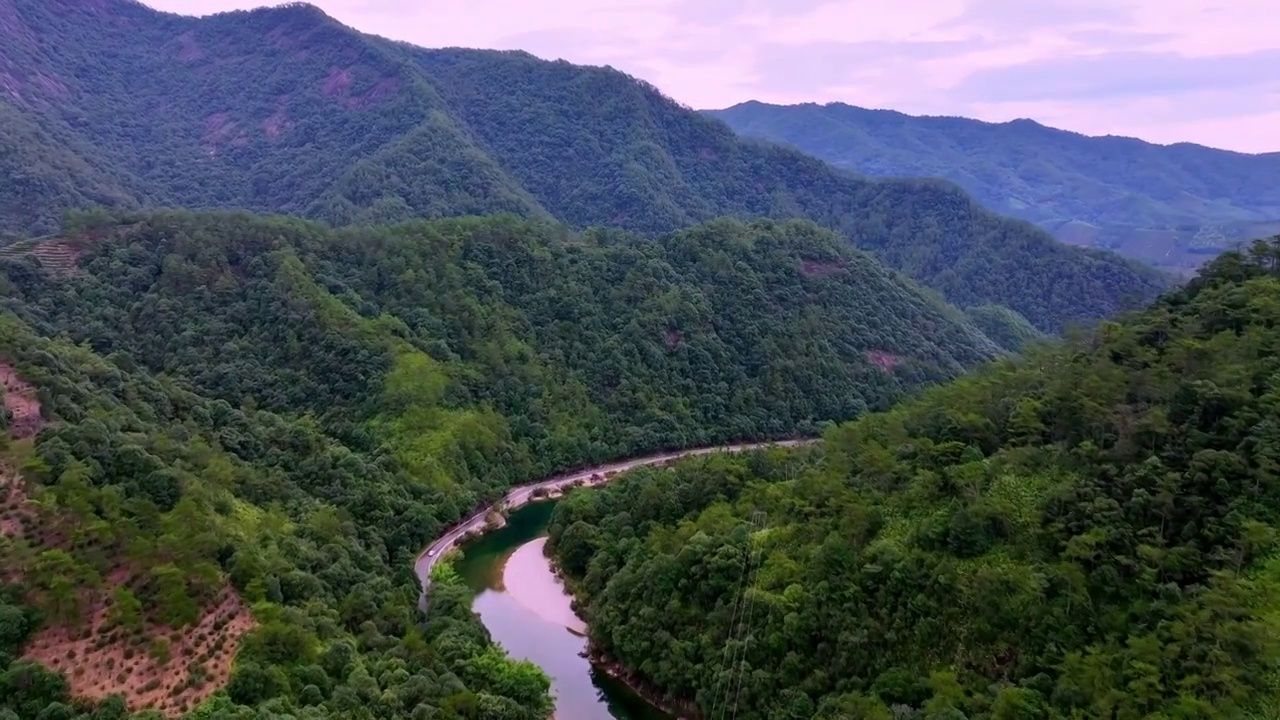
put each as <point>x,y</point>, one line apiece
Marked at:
<point>817,269</point>
<point>276,125</point>
<point>385,88</point>
<point>190,50</point>
<point>883,360</point>
<point>14,513</point>
<point>99,660</point>
<point>282,37</point>
<point>337,83</point>
<point>218,126</point>
<point>219,130</point>
<point>21,402</point>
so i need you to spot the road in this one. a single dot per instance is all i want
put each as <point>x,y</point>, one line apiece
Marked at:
<point>522,494</point>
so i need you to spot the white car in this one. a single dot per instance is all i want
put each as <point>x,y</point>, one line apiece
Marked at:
<point>431,553</point>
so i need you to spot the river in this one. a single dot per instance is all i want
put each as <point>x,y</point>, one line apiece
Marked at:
<point>523,604</point>
<point>526,609</point>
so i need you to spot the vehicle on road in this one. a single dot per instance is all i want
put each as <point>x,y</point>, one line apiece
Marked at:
<point>431,553</point>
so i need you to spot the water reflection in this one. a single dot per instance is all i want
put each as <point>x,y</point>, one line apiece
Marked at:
<point>527,577</point>
<point>526,609</point>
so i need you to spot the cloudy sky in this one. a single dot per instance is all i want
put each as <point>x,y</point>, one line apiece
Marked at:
<point>1205,71</point>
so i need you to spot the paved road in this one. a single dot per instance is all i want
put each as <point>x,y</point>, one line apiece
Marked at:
<point>522,494</point>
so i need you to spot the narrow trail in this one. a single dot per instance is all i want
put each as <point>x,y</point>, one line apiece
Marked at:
<point>523,494</point>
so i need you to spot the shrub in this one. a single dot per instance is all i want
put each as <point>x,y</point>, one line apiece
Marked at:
<point>161,651</point>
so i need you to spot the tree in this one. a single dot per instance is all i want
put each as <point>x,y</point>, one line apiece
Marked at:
<point>174,605</point>
<point>125,610</point>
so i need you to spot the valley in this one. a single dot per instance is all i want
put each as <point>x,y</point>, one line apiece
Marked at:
<point>525,608</point>
<point>518,534</point>
<point>520,496</point>
<point>346,378</point>
<point>268,407</point>
<point>1076,532</point>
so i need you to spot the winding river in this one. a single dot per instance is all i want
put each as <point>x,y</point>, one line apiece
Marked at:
<point>525,606</point>
<point>526,610</point>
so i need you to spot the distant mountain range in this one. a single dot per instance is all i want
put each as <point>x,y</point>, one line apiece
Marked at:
<point>286,110</point>
<point>252,360</point>
<point>1172,206</point>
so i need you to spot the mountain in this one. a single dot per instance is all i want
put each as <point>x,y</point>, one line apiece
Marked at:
<point>226,437</point>
<point>1172,206</point>
<point>1088,531</point>
<point>285,110</point>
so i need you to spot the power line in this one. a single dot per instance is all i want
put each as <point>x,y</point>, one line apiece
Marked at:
<point>734,616</point>
<point>734,660</point>
<point>757,521</point>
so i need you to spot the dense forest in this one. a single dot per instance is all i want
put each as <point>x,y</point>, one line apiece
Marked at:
<point>1085,531</point>
<point>259,422</point>
<point>1173,206</point>
<point>226,435</point>
<point>285,110</point>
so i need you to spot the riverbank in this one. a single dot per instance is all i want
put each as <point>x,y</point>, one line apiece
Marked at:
<point>643,689</point>
<point>519,496</point>
<point>485,526</point>
<point>638,685</point>
<point>525,608</point>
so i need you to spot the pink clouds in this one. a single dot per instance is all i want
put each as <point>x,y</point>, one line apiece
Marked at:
<point>1163,70</point>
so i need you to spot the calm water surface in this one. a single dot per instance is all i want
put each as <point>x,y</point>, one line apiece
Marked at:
<point>526,609</point>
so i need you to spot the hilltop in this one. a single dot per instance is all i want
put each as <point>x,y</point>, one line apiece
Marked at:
<point>228,436</point>
<point>285,110</point>
<point>1174,206</point>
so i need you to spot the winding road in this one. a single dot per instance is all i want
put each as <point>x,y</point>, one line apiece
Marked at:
<point>522,494</point>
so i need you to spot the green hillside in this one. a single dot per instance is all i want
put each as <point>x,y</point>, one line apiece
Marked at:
<point>285,110</point>
<point>1088,531</point>
<point>1172,206</point>
<point>234,423</point>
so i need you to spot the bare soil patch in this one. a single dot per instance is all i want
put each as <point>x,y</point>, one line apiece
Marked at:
<point>337,83</point>
<point>219,130</point>
<point>276,125</point>
<point>15,514</point>
<point>155,666</point>
<point>21,403</point>
<point>190,49</point>
<point>884,360</point>
<point>819,269</point>
<point>99,660</point>
<point>385,88</point>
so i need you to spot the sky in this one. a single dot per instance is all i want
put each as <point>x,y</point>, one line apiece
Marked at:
<point>1204,71</point>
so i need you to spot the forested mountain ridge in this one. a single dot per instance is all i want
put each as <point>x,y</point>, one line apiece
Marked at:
<point>230,110</point>
<point>238,414</point>
<point>1087,531</point>
<point>285,110</point>
<point>1173,206</point>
